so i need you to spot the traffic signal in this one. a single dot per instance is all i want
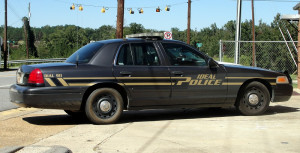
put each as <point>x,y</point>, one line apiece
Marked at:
<point>80,8</point>
<point>141,11</point>
<point>72,7</point>
<point>157,9</point>
<point>167,8</point>
<point>131,11</point>
<point>103,10</point>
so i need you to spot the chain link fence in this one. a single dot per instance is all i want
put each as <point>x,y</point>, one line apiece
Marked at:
<point>273,55</point>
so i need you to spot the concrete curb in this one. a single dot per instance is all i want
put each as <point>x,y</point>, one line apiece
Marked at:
<point>11,149</point>
<point>36,149</point>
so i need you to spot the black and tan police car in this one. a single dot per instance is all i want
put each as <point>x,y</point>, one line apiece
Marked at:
<point>103,78</point>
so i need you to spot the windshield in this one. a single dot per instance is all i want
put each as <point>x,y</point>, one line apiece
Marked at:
<point>85,54</point>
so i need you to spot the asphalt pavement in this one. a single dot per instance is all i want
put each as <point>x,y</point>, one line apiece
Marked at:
<point>7,78</point>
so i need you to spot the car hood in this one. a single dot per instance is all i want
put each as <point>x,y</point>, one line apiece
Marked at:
<point>243,71</point>
<point>237,66</point>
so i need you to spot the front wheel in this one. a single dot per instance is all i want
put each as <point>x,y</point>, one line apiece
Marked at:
<point>104,106</point>
<point>255,99</point>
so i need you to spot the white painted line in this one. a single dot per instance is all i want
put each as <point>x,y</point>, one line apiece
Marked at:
<point>9,75</point>
<point>5,86</point>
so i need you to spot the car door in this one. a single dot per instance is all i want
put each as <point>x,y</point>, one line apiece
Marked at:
<point>194,82</point>
<point>138,67</point>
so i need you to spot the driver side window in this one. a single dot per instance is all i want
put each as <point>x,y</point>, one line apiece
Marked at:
<point>180,55</point>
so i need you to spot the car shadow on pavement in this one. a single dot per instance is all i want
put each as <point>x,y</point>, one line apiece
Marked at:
<point>155,115</point>
<point>176,114</point>
<point>280,110</point>
<point>56,120</point>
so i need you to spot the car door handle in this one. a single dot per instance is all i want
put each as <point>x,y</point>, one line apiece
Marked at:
<point>177,73</point>
<point>125,73</point>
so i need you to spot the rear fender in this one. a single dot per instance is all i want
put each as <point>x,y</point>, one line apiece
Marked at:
<point>113,85</point>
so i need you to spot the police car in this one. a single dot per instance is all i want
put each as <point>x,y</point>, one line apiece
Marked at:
<point>103,78</point>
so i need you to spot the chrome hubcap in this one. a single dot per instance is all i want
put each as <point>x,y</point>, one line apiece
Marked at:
<point>253,99</point>
<point>105,106</point>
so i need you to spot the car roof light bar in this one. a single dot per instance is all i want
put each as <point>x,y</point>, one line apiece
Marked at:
<point>147,36</point>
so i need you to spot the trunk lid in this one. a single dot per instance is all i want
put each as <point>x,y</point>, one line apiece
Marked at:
<point>24,71</point>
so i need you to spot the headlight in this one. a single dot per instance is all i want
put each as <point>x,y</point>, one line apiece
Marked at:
<point>282,80</point>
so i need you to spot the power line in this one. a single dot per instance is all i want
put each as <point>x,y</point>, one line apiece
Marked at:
<point>13,11</point>
<point>100,6</point>
<point>15,22</point>
<point>11,8</point>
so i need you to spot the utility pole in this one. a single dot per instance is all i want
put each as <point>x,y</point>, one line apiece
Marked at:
<point>189,23</point>
<point>297,7</point>
<point>238,32</point>
<point>120,19</point>
<point>29,14</point>
<point>253,36</point>
<point>5,36</point>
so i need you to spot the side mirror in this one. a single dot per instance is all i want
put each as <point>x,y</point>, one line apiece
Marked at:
<point>212,63</point>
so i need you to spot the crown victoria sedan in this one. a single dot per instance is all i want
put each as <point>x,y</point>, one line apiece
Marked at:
<point>103,78</point>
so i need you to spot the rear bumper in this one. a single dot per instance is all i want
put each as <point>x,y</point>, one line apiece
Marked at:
<point>282,92</point>
<point>45,97</point>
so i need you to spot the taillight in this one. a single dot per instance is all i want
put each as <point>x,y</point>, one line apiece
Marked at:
<point>36,77</point>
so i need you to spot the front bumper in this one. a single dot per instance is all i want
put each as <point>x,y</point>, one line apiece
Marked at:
<point>47,97</point>
<point>282,92</point>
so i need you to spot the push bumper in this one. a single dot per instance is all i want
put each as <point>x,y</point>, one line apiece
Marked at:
<point>45,97</point>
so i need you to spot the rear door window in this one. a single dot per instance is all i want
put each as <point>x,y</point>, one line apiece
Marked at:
<point>125,56</point>
<point>138,54</point>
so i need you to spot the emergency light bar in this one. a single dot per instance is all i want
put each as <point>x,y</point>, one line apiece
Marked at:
<point>148,36</point>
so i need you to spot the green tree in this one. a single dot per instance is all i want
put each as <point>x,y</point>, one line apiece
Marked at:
<point>65,40</point>
<point>30,38</point>
<point>229,30</point>
<point>102,33</point>
<point>178,35</point>
<point>136,28</point>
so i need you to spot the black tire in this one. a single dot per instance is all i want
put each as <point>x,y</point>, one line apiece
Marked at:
<point>75,114</point>
<point>104,106</point>
<point>255,99</point>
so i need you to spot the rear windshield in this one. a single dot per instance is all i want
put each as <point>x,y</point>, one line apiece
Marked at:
<point>84,54</point>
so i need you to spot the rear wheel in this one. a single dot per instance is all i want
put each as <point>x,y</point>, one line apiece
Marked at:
<point>104,106</point>
<point>255,99</point>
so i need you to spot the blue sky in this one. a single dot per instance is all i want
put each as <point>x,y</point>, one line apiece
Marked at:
<point>204,12</point>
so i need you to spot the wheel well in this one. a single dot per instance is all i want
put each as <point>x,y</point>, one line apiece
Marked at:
<point>117,87</point>
<point>264,82</point>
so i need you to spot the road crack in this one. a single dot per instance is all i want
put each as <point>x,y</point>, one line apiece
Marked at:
<point>97,147</point>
